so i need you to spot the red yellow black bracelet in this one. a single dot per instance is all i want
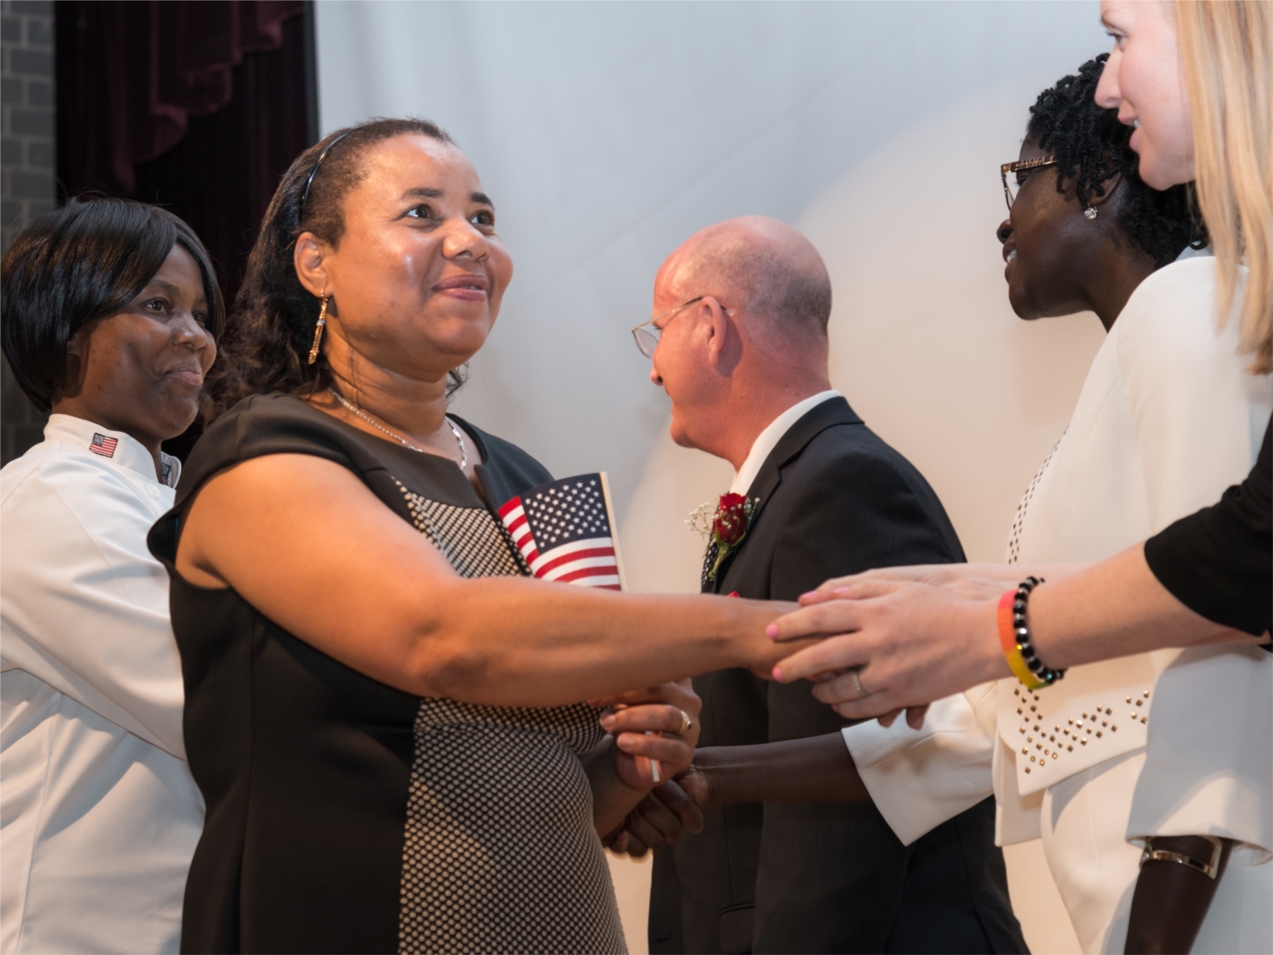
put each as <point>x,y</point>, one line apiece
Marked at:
<point>1014,636</point>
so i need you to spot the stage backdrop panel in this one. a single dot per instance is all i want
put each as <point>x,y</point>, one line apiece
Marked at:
<point>608,133</point>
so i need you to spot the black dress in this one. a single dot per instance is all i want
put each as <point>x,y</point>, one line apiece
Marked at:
<point>1219,561</point>
<point>344,815</point>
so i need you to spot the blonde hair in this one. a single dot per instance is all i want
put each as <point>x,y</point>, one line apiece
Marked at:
<point>1226,52</point>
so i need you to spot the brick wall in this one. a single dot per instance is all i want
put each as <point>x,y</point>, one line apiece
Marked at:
<point>27,165</point>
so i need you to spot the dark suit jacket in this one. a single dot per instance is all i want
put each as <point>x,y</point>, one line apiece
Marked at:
<point>834,500</point>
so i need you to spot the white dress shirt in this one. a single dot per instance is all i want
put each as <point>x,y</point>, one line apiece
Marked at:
<point>917,778</point>
<point>1167,419</point>
<point>100,813</point>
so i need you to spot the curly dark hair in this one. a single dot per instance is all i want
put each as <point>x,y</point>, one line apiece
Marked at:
<point>272,330</point>
<point>1090,146</point>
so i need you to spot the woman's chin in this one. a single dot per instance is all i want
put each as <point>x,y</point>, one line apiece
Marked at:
<point>428,363</point>
<point>175,420</point>
<point>1152,175</point>
<point>462,340</point>
<point>1158,172</point>
<point>1021,304</point>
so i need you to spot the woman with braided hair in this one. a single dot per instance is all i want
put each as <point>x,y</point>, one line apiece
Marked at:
<point>1167,419</point>
<point>1089,242</point>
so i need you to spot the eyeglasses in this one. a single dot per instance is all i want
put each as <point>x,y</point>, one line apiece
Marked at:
<point>647,338</point>
<point>1021,165</point>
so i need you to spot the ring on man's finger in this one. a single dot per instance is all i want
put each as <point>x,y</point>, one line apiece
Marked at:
<point>857,682</point>
<point>686,723</point>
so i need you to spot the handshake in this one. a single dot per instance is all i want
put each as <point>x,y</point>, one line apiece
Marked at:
<point>883,640</point>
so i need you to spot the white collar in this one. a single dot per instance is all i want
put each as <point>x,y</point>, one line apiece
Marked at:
<point>115,446</point>
<point>768,439</point>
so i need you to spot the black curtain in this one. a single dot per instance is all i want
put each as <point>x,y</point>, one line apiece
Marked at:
<point>198,107</point>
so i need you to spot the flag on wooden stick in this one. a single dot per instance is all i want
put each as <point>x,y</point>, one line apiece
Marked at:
<point>565,531</point>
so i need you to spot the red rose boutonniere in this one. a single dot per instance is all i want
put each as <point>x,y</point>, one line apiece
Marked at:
<point>725,527</point>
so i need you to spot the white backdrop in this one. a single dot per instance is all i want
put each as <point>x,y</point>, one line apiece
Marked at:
<point>607,133</point>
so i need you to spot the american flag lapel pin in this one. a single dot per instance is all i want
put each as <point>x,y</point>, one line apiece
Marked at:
<point>103,445</point>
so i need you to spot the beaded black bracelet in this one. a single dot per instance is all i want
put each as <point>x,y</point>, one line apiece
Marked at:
<point>1021,630</point>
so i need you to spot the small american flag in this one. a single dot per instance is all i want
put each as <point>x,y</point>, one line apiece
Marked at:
<point>564,531</point>
<point>103,445</point>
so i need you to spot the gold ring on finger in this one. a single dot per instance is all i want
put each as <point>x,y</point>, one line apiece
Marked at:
<point>686,723</point>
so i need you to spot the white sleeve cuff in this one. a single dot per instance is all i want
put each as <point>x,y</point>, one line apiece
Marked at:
<point>921,778</point>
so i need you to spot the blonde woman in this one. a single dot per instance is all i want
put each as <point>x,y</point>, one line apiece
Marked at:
<point>917,634</point>
<point>1204,777</point>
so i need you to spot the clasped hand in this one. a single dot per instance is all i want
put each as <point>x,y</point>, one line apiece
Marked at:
<point>647,725</point>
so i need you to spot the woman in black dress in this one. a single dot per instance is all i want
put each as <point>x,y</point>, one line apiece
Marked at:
<point>382,713</point>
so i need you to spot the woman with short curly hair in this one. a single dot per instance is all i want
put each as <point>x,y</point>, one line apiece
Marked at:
<point>1167,419</point>
<point>1104,231</point>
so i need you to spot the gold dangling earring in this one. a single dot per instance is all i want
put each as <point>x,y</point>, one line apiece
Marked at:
<point>318,330</point>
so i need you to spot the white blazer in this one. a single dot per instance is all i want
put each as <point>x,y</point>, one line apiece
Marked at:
<point>1167,419</point>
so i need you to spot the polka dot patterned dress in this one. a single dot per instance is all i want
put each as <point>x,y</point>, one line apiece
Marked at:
<point>466,887</point>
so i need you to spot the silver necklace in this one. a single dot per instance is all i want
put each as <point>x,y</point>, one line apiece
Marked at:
<point>464,456</point>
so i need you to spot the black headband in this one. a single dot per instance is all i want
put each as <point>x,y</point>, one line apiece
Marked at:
<point>310,181</point>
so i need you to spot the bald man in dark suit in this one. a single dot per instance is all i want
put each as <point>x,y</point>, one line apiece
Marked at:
<point>795,855</point>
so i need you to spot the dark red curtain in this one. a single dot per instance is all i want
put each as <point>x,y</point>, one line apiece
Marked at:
<point>195,106</point>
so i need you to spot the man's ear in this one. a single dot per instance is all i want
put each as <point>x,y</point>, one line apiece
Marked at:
<point>309,256</point>
<point>724,343</point>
